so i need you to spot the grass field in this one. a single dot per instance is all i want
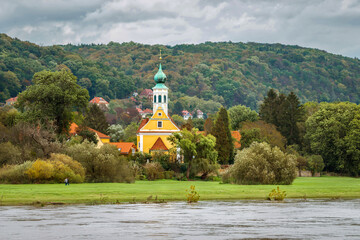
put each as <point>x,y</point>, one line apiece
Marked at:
<point>171,190</point>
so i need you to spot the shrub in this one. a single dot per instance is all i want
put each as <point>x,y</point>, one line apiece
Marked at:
<point>15,173</point>
<point>101,164</point>
<point>154,171</point>
<point>193,195</point>
<point>66,167</point>
<point>40,170</point>
<point>262,164</point>
<point>9,154</point>
<point>276,195</point>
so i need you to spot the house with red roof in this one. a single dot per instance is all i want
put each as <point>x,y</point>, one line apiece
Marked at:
<point>125,148</point>
<point>144,113</point>
<point>146,93</point>
<point>11,101</point>
<point>186,115</point>
<point>102,138</point>
<point>99,101</point>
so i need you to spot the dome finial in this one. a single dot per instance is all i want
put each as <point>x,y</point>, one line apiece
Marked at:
<point>160,55</point>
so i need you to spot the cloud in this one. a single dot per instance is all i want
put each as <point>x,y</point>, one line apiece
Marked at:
<point>331,25</point>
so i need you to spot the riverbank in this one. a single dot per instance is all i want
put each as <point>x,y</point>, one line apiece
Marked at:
<point>171,190</point>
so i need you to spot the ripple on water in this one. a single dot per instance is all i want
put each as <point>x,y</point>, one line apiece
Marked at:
<point>250,219</point>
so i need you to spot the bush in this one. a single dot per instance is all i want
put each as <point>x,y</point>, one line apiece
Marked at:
<point>15,173</point>
<point>101,164</point>
<point>154,171</point>
<point>9,154</point>
<point>141,158</point>
<point>40,170</point>
<point>262,164</point>
<point>276,195</point>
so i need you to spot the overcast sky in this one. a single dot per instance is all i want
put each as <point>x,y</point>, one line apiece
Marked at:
<point>331,25</point>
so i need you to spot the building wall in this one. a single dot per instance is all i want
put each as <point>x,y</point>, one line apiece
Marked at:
<point>149,140</point>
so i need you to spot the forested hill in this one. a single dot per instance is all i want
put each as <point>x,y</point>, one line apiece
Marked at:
<point>226,72</point>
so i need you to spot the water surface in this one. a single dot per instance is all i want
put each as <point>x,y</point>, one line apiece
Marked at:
<point>294,219</point>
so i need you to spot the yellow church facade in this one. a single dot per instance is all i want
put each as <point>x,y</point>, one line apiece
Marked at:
<point>153,132</point>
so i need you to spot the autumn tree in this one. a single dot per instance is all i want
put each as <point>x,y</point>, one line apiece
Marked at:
<point>224,141</point>
<point>52,97</point>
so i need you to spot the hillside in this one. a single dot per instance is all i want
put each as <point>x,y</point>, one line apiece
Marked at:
<point>226,72</point>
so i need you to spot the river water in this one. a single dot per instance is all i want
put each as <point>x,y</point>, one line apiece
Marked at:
<point>293,219</point>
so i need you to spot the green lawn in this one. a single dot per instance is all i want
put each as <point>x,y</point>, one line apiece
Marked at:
<point>170,190</point>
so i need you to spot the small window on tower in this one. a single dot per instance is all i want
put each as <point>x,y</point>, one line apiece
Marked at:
<point>159,124</point>
<point>159,114</point>
<point>159,99</point>
<point>164,99</point>
<point>154,98</point>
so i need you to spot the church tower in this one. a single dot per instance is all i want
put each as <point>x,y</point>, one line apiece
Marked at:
<point>153,133</point>
<point>160,92</point>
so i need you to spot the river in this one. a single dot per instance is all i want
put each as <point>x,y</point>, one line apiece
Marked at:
<point>252,219</point>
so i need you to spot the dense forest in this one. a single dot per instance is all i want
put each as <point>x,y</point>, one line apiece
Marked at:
<point>225,72</point>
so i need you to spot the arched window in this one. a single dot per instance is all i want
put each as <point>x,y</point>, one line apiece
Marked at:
<point>154,98</point>
<point>164,99</point>
<point>159,99</point>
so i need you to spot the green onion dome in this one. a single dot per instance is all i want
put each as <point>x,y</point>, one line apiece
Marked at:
<point>160,76</point>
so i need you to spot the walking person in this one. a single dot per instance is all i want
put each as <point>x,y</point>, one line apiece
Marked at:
<point>66,181</point>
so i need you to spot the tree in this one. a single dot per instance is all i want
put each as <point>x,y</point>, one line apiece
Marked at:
<point>95,118</point>
<point>178,108</point>
<point>261,131</point>
<point>291,112</point>
<point>316,164</point>
<point>285,112</point>
<point>334,133</point>
<point>239,114</point>
<point>224,141</point>
<point>116,132</point>
<point>179,121</point>
<point>195,148</point>
<point>208,125</point>
<point>269,108</point>
<point>52,97</point>
<point>130,132</point>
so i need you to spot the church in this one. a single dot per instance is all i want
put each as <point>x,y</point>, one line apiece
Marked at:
<point>153,132</point>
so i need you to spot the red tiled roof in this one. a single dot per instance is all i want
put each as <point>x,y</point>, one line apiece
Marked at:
<point>14,99</point>
<point>139,110</point>
<point>143,122</point>
<point>101,135</point>
<point>98,100</point>
<point>147,111</point>
<point>159,145</point>
<point>125,147</point>
<point>74,127</point>
<point>146,92</point>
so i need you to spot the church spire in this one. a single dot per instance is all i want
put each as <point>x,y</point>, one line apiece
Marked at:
<point>160,76</point>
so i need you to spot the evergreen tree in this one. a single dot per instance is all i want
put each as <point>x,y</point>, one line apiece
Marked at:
<point>224,141</point>
<point>291,112</point>
<point>269,108</point>
<point>95,118</point>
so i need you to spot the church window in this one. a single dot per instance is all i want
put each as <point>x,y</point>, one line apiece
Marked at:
<point>159,124</point>
<point>154,98</point>
<point>164,99</point>
<point>159,114</point>
<point>159,99</point>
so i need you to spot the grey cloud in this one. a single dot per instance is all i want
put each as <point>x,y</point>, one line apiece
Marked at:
<point>326,24</point>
